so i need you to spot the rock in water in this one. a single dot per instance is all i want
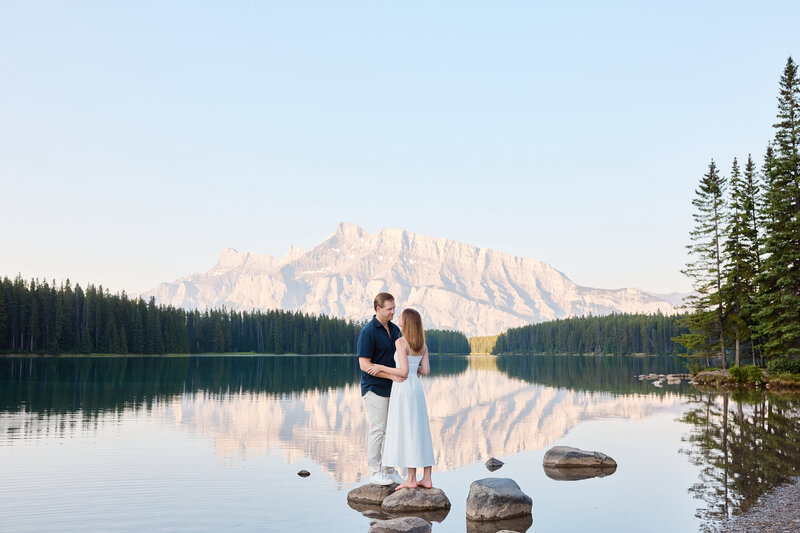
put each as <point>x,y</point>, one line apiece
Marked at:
<point>407,524</point>
<point>409,500</point>
<point>304,473</point>
<point>577,473</point>
<point>370,493</point>
<point>496,498</point>
<point>494,464</point>
<point>520,524</point>
<point>566,457</point>
<point>370,510</point>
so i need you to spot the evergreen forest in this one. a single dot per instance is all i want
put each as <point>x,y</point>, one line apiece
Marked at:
<point>745,248</point>
<point>618,334</point>
<point>39,317</point>
<point>443,341</point>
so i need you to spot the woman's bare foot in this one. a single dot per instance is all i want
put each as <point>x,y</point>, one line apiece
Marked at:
<point>407,485</point>
<point>426,478</point>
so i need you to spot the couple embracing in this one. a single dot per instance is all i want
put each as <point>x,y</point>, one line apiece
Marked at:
<point>391,362</point>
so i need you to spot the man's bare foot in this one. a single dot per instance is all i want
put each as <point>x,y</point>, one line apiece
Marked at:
<point>407,485</point>
<point>426,483</point>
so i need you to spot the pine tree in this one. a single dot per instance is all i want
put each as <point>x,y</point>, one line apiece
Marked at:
<point>778,298</point>
<point>706,269</point>
<point>740,260</point>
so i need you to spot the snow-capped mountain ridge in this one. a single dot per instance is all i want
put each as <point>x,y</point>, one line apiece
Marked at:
<point>454,285</point>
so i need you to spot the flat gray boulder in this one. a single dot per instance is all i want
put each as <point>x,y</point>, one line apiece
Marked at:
<point>407,524</point>
<point>370,493</point>
<point>419,499</point>
<point>497,498</point>
<point>568,457</point>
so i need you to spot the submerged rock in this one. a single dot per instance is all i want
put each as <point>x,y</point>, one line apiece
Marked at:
<point>520,524</point>
<point>370,493</point>
<point>496,498</point>
<point>407,524</point>
<point>370,510</point>
<point>577,473</point>
<point>494,464</point>
<point>569,457</point>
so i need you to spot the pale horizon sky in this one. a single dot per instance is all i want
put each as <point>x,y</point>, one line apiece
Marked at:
<point>139,140</point>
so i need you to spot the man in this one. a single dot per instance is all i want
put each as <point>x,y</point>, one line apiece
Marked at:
<point>376,346</point>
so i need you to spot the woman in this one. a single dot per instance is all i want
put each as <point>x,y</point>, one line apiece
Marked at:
<point>408,434</point>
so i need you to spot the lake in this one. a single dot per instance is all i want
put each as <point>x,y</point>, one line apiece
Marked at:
<point>211,443</point>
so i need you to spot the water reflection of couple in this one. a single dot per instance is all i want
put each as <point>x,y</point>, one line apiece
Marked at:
<point>399,432</point>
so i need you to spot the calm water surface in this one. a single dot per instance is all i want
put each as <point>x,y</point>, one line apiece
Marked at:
<point>215,443</point>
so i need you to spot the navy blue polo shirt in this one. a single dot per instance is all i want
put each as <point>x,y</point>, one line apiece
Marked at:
<point>376,345</point>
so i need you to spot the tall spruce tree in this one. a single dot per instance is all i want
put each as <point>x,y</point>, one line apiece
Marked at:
<point>706,269</point>
<point>778,297</point>
<point>751,205</point>
<point>751,208</point>
<point>740,257</point>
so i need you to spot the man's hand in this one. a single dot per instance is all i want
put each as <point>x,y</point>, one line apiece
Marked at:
<point>398,379</point>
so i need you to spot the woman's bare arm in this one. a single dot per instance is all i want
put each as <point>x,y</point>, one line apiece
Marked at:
<point>424,364</point>
<point>402,361</point>
<point>379,371</point>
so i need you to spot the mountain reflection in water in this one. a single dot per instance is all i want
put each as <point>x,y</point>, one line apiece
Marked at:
<point>312,407</point>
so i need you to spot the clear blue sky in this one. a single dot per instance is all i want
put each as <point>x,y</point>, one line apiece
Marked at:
<point>139,139</point>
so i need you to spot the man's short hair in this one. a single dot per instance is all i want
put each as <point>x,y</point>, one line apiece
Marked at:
<point>381,299</point>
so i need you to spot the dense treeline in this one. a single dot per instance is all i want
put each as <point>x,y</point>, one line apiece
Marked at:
<point>619,334</point>
<point>37,317</point>
<point>745,248</point>
<point>443,341</point>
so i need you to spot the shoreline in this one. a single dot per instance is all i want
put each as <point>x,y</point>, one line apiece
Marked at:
<point>722,379</point>
<point>778,510</point>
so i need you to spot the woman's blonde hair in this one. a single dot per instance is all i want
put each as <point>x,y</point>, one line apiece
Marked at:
<point>412,330</point>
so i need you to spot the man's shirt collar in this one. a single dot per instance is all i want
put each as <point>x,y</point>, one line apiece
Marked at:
<point>377,323</point>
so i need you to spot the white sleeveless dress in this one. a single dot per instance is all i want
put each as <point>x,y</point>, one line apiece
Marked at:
<point>408,433</point>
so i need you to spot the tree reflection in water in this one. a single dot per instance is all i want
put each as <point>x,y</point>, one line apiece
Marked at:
<point>745,443</point>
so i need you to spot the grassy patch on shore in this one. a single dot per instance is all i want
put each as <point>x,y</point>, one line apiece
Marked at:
<point>748,377</point>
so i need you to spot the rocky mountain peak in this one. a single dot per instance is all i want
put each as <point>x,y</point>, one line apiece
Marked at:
<point>294,253</point>
<point>454,285</point>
